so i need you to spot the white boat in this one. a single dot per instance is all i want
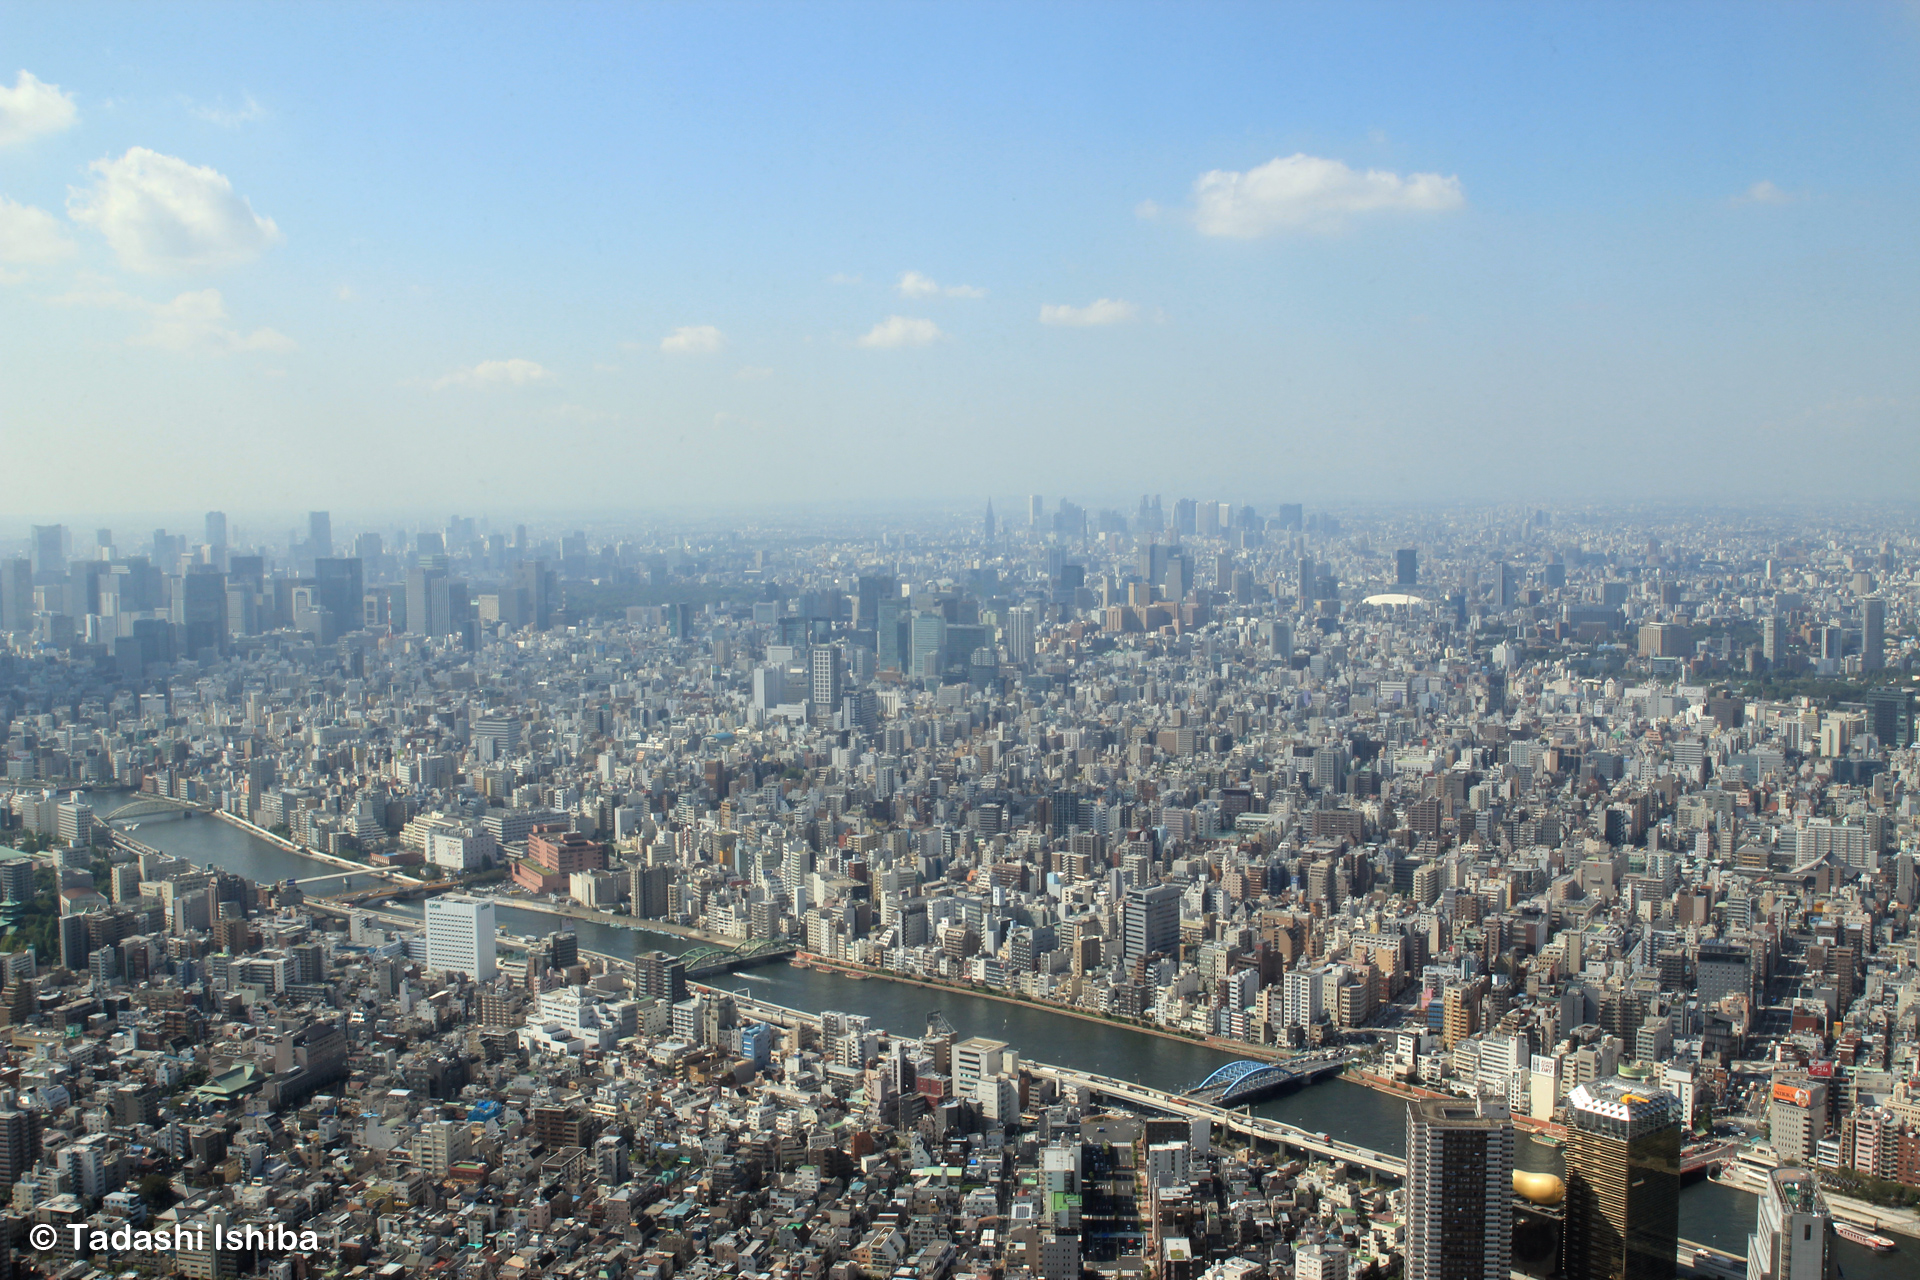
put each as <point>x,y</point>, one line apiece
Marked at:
<point>1863,1237</point>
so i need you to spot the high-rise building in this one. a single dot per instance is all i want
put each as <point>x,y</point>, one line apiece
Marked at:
<point>1022,624</point>
<point>460,936</point>
<point>1793,1234</point>
<point>540,588</point>
<point>49,548</point>
<point>217,529</point>
<point>1306,582</point>
<point>1873,633</point>
<point>986,525</point>
<point>1797,1116</point>
<point>823,666</point>
<point>1623,1182</point>
<point>1459,1190</point>
<point>341,591</point>
<point>1771,638</point>
<point>1406,567</point>
<point>1150,922</point>
<point>1036,508</point>
<point>16,595</point>
<point>200,610</point>
<point>319,533</point>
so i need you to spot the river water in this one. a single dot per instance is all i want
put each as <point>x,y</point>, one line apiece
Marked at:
<point>1709,1213</point>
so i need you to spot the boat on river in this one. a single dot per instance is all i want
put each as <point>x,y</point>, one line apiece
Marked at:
<point>1863,1237</point>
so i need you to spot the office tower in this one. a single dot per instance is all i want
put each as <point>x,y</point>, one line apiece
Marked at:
<point>429,601</point>
<point>1023,624</point>
<point>541,588</point>
<point>1509,587</point>
<point>1406,567</point>
<point>1797,1116</point>
<point>1873,633</point>
<point>49,548</point>
<point>1623,1182</point>
<point>1150,922</point>
<point>1890,717</point>
<point>16,595</point>
<point>217,529</point>
<point>1305,586</point>
<point>824,683</point>
<point>929,644</point>
<point>319,533</point>
<point>1036,508</point>
<point>341,591</point>
<point>460,936</point>
<point>986,526</point>
<point>1771,635</point>
<point>1833,644</point>
<point>200,610</point>
<point>1793,1232</point>
<point>1903,879</point>
<point>1459,1190</point>
<point>871,592</point>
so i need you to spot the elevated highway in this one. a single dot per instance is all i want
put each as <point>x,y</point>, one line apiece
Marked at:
<point>1145,1098</point>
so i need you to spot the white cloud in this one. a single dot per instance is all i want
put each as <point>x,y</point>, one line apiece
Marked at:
<point>1764,192</point>
<point>900,331</point>
<point>914,285</point>
<point>33,107</point>
<point>693,340</point>
<point>1309,193</point>
<point>497,373</point>
<point>1099,311</point>
<point>160,213</point>
<point>752,373</point>
<point>345,293</point>
<point>229,117</point>
<point>192,322</point>
<point>31,236</point>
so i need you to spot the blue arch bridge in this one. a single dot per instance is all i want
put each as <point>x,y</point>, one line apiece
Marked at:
<point>1245,1081</point>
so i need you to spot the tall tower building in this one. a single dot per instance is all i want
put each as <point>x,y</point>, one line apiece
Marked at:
<point>1793,1236</point>
<point>1459,1190</point>
<point>1770,638</point>
<point>1036,508</point>
<point>217,530</point>
<point>1873,633</point>
<point>1623,1182</point>
<point>825,670</point>
<point>1406,567</point>
<point>460,936</point>
<point>986,526</point>
<point>319,533</point>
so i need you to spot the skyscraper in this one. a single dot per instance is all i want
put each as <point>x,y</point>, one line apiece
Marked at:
<point>1406,567</point>
<point>1793,1234</point>
<point>1459,1190</point>
<point>460,936</point>
<point>217,530</point>
<point>319,533</point>
<point>824,670</point>
<point>1022,624</point>
<point>49,548</point>
<point>1873,633</point>
<point>341,591</point>
<point>986,526</point>
<point>1036,508</point>
<point>1770,635</point>
<point>1623,1182</point>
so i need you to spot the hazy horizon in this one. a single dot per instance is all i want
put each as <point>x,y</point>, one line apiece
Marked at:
<point>639,261</point>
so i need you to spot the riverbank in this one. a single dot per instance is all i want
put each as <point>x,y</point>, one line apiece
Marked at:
<point>1264,1053</point>
<point>608,920</point>
<point>304,851</point>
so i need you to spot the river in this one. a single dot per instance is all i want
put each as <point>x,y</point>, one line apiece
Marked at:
<point>1709,1213</point>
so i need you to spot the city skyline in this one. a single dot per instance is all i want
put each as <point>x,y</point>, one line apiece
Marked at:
<point>1345,255</point>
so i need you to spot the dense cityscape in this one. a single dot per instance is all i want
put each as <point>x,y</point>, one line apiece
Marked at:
<point>471,894</point>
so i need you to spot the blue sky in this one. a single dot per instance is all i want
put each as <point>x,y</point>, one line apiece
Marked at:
<point>522,258</point>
